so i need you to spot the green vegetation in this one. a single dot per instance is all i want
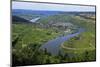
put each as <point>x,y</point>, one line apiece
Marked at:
<point>28,33</point>
<point>31,55</point>
<point>27,39</point>
<point>82,45</point>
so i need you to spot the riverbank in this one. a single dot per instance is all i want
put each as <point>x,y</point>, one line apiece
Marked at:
<point>83,42</point>
<point>53,46</point>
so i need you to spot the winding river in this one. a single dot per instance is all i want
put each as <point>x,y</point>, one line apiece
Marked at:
<point>53,46</point>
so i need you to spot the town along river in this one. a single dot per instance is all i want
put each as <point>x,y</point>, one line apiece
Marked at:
<point>53,46</point>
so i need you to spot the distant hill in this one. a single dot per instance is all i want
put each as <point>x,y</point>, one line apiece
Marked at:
<point>35,12</point>
<point>22,15</point>
<point>17,19</point>
<point>45,13</point>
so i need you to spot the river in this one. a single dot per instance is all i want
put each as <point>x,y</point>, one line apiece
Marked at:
<point>53,46</point>
<point>34,19</point>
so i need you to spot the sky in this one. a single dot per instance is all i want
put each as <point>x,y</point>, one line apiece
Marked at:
<point>51,7</point>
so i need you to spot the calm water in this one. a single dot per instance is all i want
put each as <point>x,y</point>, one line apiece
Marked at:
<point>53,46</point>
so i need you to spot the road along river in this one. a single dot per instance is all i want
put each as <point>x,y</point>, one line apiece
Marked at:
<point>53,46</point>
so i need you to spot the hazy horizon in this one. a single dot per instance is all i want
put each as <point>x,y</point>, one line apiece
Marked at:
<point>54,10</point>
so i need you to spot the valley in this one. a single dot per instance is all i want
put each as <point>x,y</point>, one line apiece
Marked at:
<point>45,37</point>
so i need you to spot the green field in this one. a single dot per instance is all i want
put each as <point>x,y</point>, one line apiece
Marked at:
<point>80,43</point>
<point>28,34</point>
